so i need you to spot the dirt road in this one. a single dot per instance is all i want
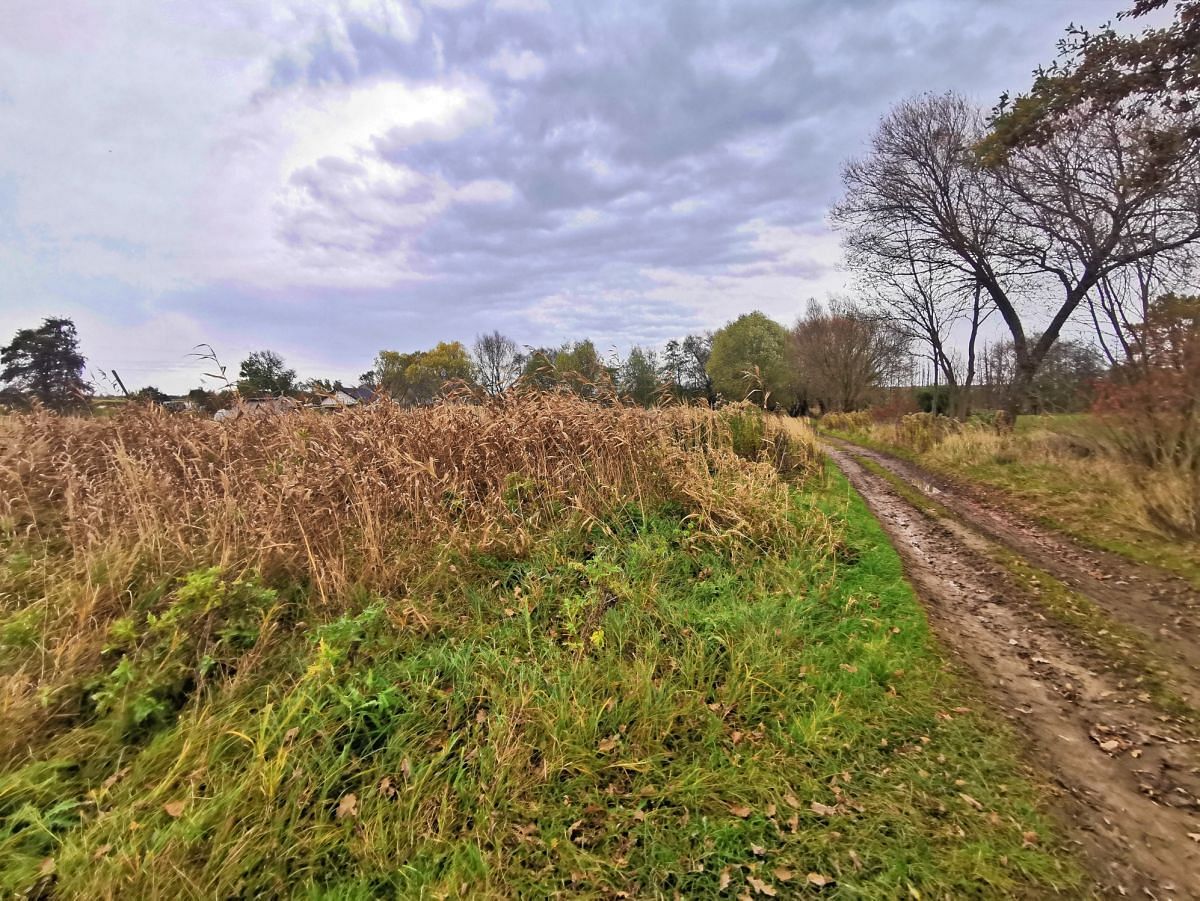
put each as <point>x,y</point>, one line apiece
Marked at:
<point>1095,661</point>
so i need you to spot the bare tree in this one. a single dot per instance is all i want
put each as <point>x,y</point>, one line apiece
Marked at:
<point>1046,223</point>
<point>927,302</point>
<point>842,353</point>
<point>498,362</point>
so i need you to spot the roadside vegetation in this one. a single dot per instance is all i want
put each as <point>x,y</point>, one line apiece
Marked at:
<point>1068,472</point>
<point>536,647</point>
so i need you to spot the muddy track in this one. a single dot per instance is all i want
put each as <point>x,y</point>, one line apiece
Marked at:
<point>1126,770</point>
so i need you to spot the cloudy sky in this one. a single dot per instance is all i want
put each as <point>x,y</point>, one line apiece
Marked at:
<point>331,178</point>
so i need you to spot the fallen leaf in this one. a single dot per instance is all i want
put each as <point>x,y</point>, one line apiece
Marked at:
<point>735,736</point>
<point>406,769</point>
<point>758,850</point>
<point>849,667</point>
<point>855,859</point>
<point>1029,839</point>
<point>819,880</point>
<point>739,810</point>
<point>1194,836</point>
<point>47,866</point>
<point>386,788</point>
<point>770,810</point>
<point>102,851</point>
<point>114,778</point>
<point>822,810</point>
<point>347,806</point>
<point>175,808</point>
<point>970,800</point>
<point>791,800</point>
<point>481,715</point>
<point>761,887</point>
<point>1111,745</point>
<point>290,735</point>
<point>723,882</point>
<point>607,744</point>
<point>783,874</point>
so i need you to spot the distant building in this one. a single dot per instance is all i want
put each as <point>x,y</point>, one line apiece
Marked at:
<point>258,406</point>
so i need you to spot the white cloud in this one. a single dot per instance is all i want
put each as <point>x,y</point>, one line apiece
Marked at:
<point>522,6</point>
<point>517,66</point>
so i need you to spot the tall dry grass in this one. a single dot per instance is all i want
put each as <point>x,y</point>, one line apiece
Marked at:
<point>97,514</point>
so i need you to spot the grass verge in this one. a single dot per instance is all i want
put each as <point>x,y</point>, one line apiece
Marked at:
<point>622,711</point>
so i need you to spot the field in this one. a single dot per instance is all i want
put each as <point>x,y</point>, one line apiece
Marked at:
<point>541,648</point>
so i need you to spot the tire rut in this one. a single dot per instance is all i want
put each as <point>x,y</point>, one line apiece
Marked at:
<point>1125,773</point>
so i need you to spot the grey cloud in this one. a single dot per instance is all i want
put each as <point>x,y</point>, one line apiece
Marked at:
<point>649,138</point>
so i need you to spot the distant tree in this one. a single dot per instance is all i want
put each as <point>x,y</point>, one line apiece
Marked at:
<point>264,372</point>
<point>152,395</point>
<point>420,377</point>
<point>638,377</point>
<point>842,354</point>
<point>539,371</point>
<point>684,368</point>
<point>45,363</point>
<point>577,366</point>
<point>1066,380</point>
<point>434,369</point>
<point>210,401</point>
<point>498,362</point>
<point>749,360</point>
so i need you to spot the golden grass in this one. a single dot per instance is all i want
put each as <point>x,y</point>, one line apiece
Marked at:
<point>379,500</point>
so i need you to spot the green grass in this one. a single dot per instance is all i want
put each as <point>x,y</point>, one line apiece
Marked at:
<point>1086,508</point>
<point>621,711</point>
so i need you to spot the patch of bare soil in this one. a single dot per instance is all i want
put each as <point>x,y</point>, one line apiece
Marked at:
<point>1126,773</point>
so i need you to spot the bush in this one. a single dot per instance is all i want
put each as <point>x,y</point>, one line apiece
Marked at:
<point>858,423</point>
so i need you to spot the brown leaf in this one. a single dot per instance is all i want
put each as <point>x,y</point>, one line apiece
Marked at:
<point>406,769</point>
<point>849,667</point>
<point>1029,839</point>
<point>791,800</point>
<point>347,806</point>
<point>758,850</point>
<point>970,800</point>
<point>723,882</point>
<point>114,778</point>
<point>102,851</point>
<point>47,866</point>
<point>481,715</point>
<point>822,810</point>
<point>770,810</point>
<point>855,859</point>
<point>819,880</point>
<point>735,736</point>
<point>290,735</point>
<point>175,809</point>
<point>739,810</point>
<point>761,887</point>
<point>386,788</point>
<point>783,874</point>
<point>607,744</point>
